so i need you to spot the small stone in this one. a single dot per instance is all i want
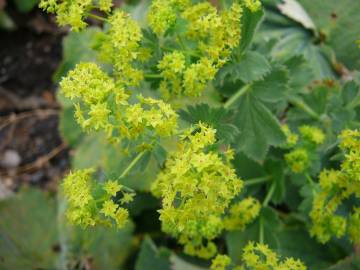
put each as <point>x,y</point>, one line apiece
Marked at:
<point>10,159</point>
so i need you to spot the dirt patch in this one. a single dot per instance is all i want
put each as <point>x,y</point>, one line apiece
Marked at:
<point>31,149</point>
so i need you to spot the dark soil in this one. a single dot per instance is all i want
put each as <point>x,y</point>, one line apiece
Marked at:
<point>31,149</point>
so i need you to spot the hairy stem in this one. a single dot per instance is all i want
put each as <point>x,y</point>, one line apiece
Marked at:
<point>132,164</point>
<point>153,76</point>
<point>237,95</point>
<point>261,231</point>
<point>258,180</point>
<point>91,15</point>
<point>269,195</point>
<point>303,106</point>
<point>311,183</point>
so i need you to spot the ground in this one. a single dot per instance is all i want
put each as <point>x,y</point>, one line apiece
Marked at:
<point>31,149</point>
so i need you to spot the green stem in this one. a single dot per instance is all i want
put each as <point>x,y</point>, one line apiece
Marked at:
<point>258,180</point>
<point>354,103</point>
<point>269,195</point>
<point>222,4</point>
<point>181,42</point>
<point>237,95</point>
<point>97,17</point>
<point>303,106</point>
<point>62,232</point>
<point>311,183</point>
<point>153,76</point>
<point>186,51</point>
<point>261,231</point>
<point>132,164</point>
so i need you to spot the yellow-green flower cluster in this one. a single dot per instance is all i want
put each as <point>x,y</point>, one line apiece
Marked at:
<point>242,214</point>
<point>105,5</point>
<point>149,114</point>
<point>190,81</point>
<point>302,147</point>
<point>91,88</point>
<point>94,93</point>
<point>312,134</point>
<point>351,144</point>
<point>91,203</point>
<point>298,160</point>
<point>196,188</point>
<point>172,67</point>
<point>163,14</point>
<point>119,45</point>
<point>197,75</point>
<point>354,225</point>
<point>74,12</point>
<point>291,137</point>
<point>125,35</point>
<point>257,257</point>
<point>215,34</point>
<point>253,5</point>
<point>220,262</point>
<point>337,186</point>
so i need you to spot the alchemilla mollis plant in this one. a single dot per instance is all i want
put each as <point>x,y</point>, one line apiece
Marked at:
<point>241,139</point>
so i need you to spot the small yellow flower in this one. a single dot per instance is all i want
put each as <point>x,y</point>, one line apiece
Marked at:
<point>220,262</point>
<point>112,187</point>
<point>298,160</point>
<point>312,134</point>
<point>127,198</point>
<point>253,5</point>
<point>121,217</point>
<point>109,208</point>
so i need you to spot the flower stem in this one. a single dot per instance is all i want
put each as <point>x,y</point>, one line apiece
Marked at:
<point>132,164</point>
<point>258,180</point>
<point>152,76</point>
<point>97,17</point>
<point>311,183</point>
<point>237,95</point>
<point>269,195</point>
<point>303,106</point>
<point>261,231</point>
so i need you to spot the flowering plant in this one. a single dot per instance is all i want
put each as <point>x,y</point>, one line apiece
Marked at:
<point>238,141</point>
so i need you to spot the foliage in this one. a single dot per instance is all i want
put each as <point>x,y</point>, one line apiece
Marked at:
<point>228,133</point>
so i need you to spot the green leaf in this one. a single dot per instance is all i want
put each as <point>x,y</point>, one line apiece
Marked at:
<point>219,118</point>
<point>266,224</point>
<point>350,263</point>
<point>28,231</point>
<point>300,73</point>
<point>107,248</point>
<point>295,241</point>
<point>160,154</point>
<point>6,22</point>
<point>89,153</point>
<point>31,238</point>
<point>25,5</point>
<point>282,38</point>
<point>251,66</point>
<point>273,86</point>
<point>249,24</point>
<point>333,106</point>
<point>150,257</point>
<point>77,48</point>
<point>258,127</point>
<point>70,130</point>
<point>275,168</point>
<point>143,201</point>
<point>338,22</point>
<point>177,263</point>
<point>247,168</point>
